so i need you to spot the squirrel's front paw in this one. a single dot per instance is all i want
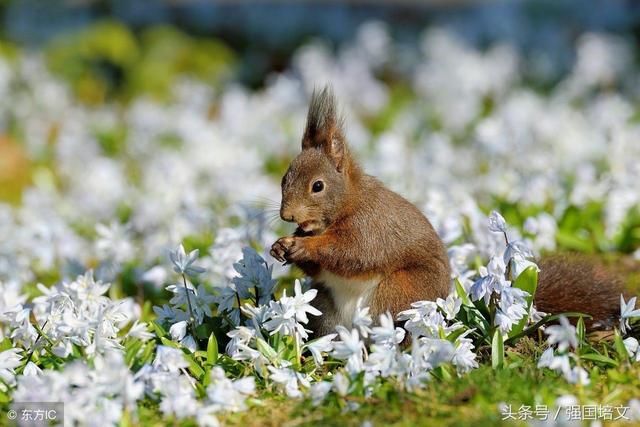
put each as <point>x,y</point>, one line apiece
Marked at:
<point>279,248</point>
<point>290,249</point>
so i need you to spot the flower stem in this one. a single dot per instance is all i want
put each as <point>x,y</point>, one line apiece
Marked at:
<point>298,363</point>
<point>238,300</point>
<point>192,319</point>
<point>35,343</point>
<point>257,296</point>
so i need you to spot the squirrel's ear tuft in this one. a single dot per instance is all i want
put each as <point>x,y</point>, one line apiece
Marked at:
<point>324,127</point>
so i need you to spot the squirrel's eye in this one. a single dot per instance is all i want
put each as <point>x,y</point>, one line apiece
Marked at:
<point>318,186</point>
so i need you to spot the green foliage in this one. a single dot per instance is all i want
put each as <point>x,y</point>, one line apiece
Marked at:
<point>166,53</point>
<point>212,350</point>
<point>497,350</point>
<point>528,282</point>
<point>108,60</point>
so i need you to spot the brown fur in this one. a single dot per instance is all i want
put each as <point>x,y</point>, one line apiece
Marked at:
<point>577,283</point>
<point>356,227</point>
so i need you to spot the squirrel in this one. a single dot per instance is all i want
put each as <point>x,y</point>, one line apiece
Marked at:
<point>357,239</point>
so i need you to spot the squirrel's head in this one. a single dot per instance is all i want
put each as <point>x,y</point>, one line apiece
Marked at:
<point>315,187</point>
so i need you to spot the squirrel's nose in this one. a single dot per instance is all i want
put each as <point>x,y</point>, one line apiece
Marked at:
<point>286,215</point>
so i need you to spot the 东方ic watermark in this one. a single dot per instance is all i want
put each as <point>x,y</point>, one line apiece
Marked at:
<point>31,414</point>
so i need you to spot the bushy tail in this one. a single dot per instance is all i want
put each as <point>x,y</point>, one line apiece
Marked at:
<point>575,283</point>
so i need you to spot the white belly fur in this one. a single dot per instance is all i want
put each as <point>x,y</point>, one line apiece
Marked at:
<point>346,291</point>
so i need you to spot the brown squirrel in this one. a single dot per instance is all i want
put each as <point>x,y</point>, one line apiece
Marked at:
<point>358,239</point>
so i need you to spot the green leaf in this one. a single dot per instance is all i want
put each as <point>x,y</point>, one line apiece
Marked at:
<point>580,331</point>
<point>212,349</point>
<point>194,367</point>
<point>462,294</point>
<point>453,336</point>
<point>483,309</point>
<point>132,349</point>
<point>623,355</point>
<point>266,350</point>
<point>147,353</point>
<point>547,319</point>
<point>169,343</point>
<point>571,241</point>
<point>594,357</point>
<point>528,282</point>
<point>202,331</point>
<point>497,350</point>
<point>160,332</point>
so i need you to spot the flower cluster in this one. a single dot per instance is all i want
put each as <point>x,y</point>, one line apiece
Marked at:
<point>94,313</point>
<point>564,337</point>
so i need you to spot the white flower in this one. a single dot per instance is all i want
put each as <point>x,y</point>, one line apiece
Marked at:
<point>450,306</point>
<point>178,398</point>
<point>631,344</point>
<point>349,348</point>
<point>362,319</point>
<point>139,330</point>
<point>255,275</point>
<point>9,360</point>
<point>300,303</point>
<point>518,264</point>
<point>113,242</point>
<point>423,320</point>
<point>515,256</point>
<point>341,384</point>
<point>503,322</point>
<point>563,334</point>
<point>281,317</point>
<point>257,316</point>
<point>319,345</point>
<point>560,363</point>
<point>512,308</point>
<point>492,280</point>
<point>577,375</point>
<point>387,334</point>
<point>178,330</point>
<point>199,300</point>
<point>382,360</point>
<point>169,314</point>
<point>228,395</point>
<point>515,248</point>
<point>32,370</point>
<point>239,349</point>
<point>627,311</point>
<point>290,380</point>
<point>464,358</point>
<point>205,417</point>
<point>318,392</point>
<point>482,288</point>
<point>227,300</point>
<point>546,358</point>
<point>183,263</point>
<point>169,359</point>
<point>497,223</point>
<point>156,275</point>
<point>544,228</point>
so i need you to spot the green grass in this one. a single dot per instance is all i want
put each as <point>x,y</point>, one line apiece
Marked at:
<point>472,399</point>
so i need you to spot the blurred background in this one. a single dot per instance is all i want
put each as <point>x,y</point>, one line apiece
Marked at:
<point>259,37</point>
<point>128,126</point>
